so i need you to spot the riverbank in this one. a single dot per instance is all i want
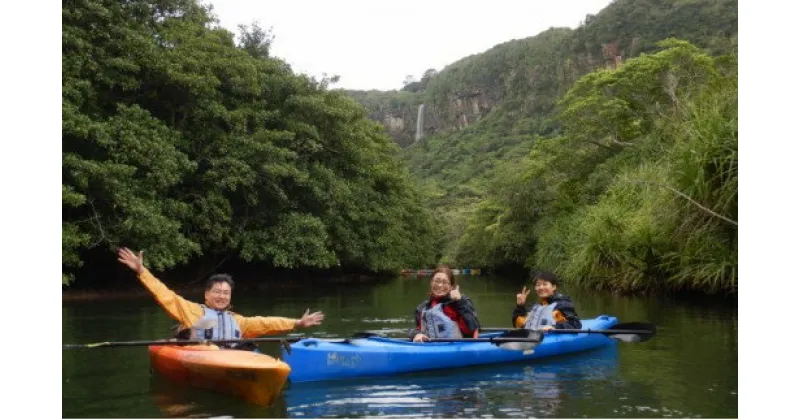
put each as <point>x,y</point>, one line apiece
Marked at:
<point>69,294</point>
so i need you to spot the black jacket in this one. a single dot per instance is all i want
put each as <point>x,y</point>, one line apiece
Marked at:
<point>563,304</point>
<point>463,307</point>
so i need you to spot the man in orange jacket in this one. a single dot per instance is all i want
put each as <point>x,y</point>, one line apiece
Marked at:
<point>213,320</point>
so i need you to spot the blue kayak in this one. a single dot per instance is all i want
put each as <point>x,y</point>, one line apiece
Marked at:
<point>319,360</point>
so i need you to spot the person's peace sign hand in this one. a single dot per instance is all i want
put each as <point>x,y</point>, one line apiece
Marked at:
<point>521,297</point>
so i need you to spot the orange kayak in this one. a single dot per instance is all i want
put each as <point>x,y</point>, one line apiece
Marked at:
<point>255,377</point>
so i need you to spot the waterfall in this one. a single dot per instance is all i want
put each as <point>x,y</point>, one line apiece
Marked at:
<point>420,116</point>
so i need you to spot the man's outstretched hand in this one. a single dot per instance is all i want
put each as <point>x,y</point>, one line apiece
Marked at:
<point>133,261</point>
<point>310,320</point>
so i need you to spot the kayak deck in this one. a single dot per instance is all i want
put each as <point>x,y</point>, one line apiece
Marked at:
<point>254,377</point>
<point>318,360</point>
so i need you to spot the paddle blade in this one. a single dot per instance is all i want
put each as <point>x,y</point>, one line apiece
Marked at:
<point>72,346</point>
<point>529,340</point>
<point>522,333</point>
<point>367,334</point>
<point>205,323</point>
<point>644,332</point>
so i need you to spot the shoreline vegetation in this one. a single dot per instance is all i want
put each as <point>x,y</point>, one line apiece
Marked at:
<point>195,288</point>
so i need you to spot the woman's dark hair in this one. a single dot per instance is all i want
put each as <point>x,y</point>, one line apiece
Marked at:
<point>546,276</point>
<point>219,278</point>
<point>444,268</point>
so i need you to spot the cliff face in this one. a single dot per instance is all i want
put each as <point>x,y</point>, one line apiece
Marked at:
<point>396,110</point>
<point>400,124</point>
<point>525,77</point>
<point>468,90</point>
<point>466,106</point>
<point>461,109</point>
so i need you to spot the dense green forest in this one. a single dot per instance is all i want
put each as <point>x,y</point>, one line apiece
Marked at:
<point>179,140</point>
<point>639,188</point>
<point>611,157</point>
<point>609,154</point>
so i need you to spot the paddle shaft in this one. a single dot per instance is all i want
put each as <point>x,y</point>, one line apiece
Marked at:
<point>624,328</point>
<point>278,339</point>
<point>639,331</point>
<point>178,342</point>
<point>571,331</point>
<point>567,331</point>
<point>486,340</point>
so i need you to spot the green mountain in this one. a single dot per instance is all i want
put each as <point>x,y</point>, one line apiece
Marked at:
<point>486,117</point>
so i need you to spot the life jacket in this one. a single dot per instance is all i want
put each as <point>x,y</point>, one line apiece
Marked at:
<point>226,327</point>
<point>540,316</point>
<point>436,324</point>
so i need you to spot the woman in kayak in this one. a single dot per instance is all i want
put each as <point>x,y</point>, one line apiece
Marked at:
<point>213,320</point>
<point>446,313</point>
<point>553,311</point>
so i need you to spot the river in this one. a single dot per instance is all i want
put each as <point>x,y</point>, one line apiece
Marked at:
<point>690,368</point>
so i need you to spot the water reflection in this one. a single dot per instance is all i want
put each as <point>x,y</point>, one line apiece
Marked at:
<point>177,400</point>
<point>505,390</point>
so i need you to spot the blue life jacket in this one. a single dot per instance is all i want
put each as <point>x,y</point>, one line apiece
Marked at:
<point>436,324</point>
<point>226,327</point>
<point>540,316</point>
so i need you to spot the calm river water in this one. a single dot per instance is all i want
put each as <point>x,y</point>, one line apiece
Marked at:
<point>688,370</point>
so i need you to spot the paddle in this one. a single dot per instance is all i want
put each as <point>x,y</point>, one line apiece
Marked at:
<point>176,342</point>
<point>494,340</point>
<point>510,336</point>
<point>631,332</point>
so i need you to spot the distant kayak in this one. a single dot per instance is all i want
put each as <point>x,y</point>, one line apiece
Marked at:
<point>318,360</point>
<point>252,376</point>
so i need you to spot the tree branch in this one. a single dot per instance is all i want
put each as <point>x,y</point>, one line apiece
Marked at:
<point>621,143</point>
<point>706,209</point>
<point>600,145</point>
<point>96,221</point>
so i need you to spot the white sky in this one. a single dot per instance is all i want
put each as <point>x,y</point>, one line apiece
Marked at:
<point>375,44</point>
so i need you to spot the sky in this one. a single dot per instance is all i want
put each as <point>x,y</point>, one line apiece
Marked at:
<point>376,44</point>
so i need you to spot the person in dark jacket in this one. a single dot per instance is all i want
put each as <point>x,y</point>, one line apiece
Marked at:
<point>553,310</point>
<point>446,313</point>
